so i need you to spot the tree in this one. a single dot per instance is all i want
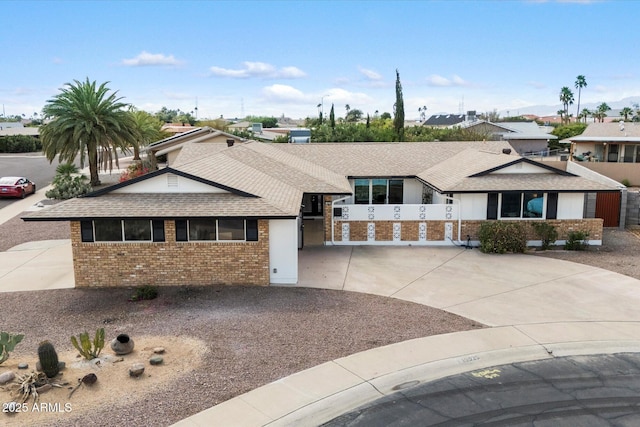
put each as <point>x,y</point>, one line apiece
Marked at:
<point>398,110</point>
<point>353,115</point>
<point>566,97</point>
<point>585,114</point>
<point>625,112</point>
<point>602,111</point>
<point>332,118</point>
<point>149,129</point>
<point>579,84</point>
<point>385,116</point>
<point>87,120</point>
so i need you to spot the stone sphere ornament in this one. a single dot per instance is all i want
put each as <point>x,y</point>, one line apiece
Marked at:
<point>122,344</point>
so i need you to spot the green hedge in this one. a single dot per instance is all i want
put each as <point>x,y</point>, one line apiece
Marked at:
<point>19,144</point>
<point>500,237</point>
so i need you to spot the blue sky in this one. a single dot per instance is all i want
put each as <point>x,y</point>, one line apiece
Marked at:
<point>286,57</point>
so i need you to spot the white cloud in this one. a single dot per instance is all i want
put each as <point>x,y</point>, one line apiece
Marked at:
<point>150,59</point>
<point>370,74</point>
<point>284,93</point>
<point>258,69</point>
<point>440,81</point>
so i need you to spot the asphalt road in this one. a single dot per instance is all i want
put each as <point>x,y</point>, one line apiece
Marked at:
<point>585,391</point>
<point>33,166</point>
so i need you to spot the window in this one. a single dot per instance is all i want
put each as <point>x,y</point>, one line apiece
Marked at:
<point>378,191</point>
<point>122,230</point>
<point>211,229</point>
<point>521,205</point>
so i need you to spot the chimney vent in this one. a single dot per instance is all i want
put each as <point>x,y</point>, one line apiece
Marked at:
<point>506,151</point>
<point>230,142</point>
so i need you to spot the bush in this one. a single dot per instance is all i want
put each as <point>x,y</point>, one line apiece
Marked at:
<point>135,170</point>
<point>626,182</point>
<point>144,292</point>
<point>547,234</point>
<point>18,144</point>
<point>66,185</point>
<point>577,241</point>
<point>500,237</point>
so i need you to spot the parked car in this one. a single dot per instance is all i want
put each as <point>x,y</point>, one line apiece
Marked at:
<point>16,186</point>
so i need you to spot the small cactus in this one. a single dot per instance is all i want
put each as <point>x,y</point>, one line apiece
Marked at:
<point>88,349</point>
<point>8,342</point>
<point>48,359</point>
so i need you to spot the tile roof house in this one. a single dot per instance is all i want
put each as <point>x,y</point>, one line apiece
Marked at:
<point>525,137</point>
<point>611,149</point>
<point>233,213</point>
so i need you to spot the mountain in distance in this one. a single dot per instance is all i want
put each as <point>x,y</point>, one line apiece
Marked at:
<point>550,110</point>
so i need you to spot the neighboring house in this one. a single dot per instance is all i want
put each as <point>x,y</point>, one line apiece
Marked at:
<point>171,146</point>
<point>444,120</point>
<point>15,128</point>
<point>526,137</point>
<point>176,128</point>
<point>611,149</point>
<point>233,215</point>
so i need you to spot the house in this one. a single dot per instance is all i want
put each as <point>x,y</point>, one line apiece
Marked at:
<point>171,146</point>
<point>233,214</point>
<point>525,137</point>
<point>612,149</point>
<point>444,120</point>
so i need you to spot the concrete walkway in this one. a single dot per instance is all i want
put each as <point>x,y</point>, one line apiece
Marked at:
<point>538,308</point>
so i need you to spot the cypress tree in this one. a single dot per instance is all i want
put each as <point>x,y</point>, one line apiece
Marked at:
<point>332,118</point>
<point>398,109</point>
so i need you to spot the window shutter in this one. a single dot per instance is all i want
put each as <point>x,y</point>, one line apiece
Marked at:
<point>158,230</point>
<point>492,206</point>
<point>252,230</point>
<point>181,230</point>
<point>552,205</point>
<point>86,231</point>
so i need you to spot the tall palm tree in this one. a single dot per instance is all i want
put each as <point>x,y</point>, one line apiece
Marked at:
<point>566,97</point>
<point>602,111</point>
<point>580,83</point>
<point>148,127</point>
<point>585,114</point>
<point>626,111</point>
<point>86,120</point>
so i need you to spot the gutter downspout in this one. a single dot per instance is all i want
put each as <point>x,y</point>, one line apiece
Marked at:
<point>459,218</point>
<point>332,222</point>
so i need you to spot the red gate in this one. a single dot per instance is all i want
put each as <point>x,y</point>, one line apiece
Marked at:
<point>608,208</point>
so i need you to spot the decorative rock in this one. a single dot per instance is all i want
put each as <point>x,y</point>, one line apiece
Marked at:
<point>23,365</point>
<point>158,350</point>
<point>122,344</point>
<point>6,377</point>
<point>156,360</point>
<point>136,370</point>
<point>62,365</point>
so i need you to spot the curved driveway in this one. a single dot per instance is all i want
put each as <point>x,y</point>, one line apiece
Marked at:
<point>538,308</point>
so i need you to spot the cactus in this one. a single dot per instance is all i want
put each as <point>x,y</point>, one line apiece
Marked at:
<point>48,359</point>
<point>87,349</point>
<point>7,343</point>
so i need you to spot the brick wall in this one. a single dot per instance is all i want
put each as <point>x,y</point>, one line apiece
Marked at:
<point>171,262</point>
<point>563,226</point>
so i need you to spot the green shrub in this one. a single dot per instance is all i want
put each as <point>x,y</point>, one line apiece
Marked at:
<point>18,144</point>
<point>67,187</point>
<point>500,237</point>
<point>144,292</point>
<point>87,348</point>
<point>626,182</point>
<point>547,234</point>
<point>577,241</point>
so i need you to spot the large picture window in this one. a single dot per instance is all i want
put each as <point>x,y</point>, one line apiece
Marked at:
<point>521,205</point>
<point>122,230</point>
<point>378,191</point>
<point>212,229</point>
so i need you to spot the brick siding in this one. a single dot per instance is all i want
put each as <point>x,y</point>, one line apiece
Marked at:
<point>170,262</point>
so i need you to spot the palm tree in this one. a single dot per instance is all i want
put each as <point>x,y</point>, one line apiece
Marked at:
<point>585,113</point>
<point>148,127</point>
<point>86,120</point>
<point>625,112</point>
<point>580,83</point>
<point>602,111</point>
<point>566,97</point>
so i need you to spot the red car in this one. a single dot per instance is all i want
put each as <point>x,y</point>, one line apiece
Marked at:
<point>16,186</point>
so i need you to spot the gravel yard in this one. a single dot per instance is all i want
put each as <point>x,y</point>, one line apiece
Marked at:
<point>254,335</point>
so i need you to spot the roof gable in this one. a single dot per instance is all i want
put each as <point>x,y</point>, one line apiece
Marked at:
<point>129,185</point>
<point>509,168</point>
